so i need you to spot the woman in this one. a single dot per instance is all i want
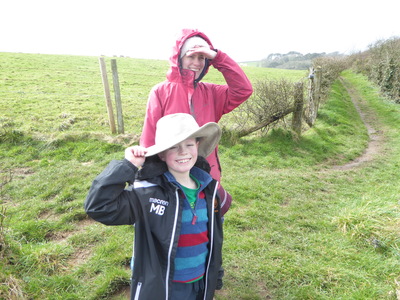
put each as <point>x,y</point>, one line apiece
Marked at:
<point>183,92</point>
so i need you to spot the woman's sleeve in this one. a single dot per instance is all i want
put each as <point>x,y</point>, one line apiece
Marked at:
<point>238,88</point>
<point>153,114</point>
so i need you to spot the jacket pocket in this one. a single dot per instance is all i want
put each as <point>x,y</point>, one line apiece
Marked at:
<point>137,293</point>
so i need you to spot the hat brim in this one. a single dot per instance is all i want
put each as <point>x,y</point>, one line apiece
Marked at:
<point>209,134</point>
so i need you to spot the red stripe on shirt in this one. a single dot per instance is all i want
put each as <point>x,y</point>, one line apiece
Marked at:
<point>187,240</point>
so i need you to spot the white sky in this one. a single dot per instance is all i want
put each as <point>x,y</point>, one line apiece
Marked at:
<point>246,30</point>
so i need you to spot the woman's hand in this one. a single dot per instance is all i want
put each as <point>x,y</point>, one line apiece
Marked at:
<point>205,51</point>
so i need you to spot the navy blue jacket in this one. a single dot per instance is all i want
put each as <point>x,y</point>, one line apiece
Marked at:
<point>153,203</point>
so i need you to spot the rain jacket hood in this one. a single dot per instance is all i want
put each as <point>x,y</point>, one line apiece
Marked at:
<point>175,73</point>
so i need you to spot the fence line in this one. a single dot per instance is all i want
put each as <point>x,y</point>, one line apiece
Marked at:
<point>298,108</point>
<point>303,108</point>
<point>107,94</point>
<point>117,94</point>
<point>308,114</point>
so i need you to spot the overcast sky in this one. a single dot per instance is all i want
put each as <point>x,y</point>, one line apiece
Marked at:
<point>246,30</point>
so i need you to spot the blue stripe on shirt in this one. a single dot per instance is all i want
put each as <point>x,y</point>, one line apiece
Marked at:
<point>190,262</point>
<point>187,215</point>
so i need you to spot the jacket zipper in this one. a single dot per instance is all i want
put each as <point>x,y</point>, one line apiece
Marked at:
<point>191,106</point>
<point>138,288</point>
<point>211,240</point>
<point>171,245</point>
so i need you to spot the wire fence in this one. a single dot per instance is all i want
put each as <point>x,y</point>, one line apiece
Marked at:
<point>31,87</point>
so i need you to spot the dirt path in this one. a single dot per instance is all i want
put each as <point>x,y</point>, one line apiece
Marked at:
<point>369,119</point>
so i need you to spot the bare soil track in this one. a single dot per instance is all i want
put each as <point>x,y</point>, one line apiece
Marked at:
<point>375,136</point>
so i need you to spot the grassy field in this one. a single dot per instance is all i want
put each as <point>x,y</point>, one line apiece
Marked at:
<point>299,228</point>
<point>46,94</point>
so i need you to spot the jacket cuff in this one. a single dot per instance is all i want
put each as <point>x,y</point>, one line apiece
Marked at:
<point>130,165</point>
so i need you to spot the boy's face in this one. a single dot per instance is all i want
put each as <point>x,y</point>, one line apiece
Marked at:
<point>181,157</point>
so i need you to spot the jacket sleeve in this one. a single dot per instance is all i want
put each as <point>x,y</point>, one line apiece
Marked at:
<point>153,114</point>
<point>108,201</point>
<point>238,88</point>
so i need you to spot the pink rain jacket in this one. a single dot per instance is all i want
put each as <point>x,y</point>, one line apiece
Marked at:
<point>207,102</point>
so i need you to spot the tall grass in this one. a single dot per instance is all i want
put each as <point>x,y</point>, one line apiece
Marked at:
<point>297,229</point>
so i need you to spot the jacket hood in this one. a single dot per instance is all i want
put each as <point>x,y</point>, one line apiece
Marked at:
<point>174,73</point>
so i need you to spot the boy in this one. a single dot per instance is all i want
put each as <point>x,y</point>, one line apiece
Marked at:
<point>174,206</point>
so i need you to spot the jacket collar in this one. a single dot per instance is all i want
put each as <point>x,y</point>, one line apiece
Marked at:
<point>203,177</point>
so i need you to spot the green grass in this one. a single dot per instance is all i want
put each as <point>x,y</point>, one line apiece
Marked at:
<point>49,94</point>
<point>297,229</point>
<point>300,230</point>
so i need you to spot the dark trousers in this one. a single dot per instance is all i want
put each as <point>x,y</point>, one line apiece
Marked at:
<point>188,291</point>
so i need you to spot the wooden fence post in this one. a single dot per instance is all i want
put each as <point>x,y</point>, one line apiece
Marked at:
<point>314,95</point>
<point>298,108</point>
<point>317,88</point>
<point>117,94</point>
<point>107,94</point>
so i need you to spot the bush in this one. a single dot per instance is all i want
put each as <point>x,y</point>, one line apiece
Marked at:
<point>331,68</point>
<point>381,64</point>
<point>270,102</point>
<point>273,100</point>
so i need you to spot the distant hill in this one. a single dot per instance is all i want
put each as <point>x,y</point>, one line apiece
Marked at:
<point>292,60</point>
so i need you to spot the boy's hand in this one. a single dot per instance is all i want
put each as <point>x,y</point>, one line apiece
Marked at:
<point>135,155</point>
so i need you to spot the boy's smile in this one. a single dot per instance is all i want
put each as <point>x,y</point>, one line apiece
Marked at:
<point>182,161</point>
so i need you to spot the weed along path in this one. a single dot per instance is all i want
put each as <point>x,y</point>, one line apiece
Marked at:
<point>363,195</point>
<point>369,118</point>
<point>301,233</point>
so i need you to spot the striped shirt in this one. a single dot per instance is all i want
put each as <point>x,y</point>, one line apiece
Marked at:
<point>191,255</point>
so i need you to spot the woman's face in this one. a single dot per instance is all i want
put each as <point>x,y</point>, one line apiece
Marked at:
<point>194,62</point>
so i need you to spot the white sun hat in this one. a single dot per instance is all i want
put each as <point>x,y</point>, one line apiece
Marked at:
<point>175,128</point>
